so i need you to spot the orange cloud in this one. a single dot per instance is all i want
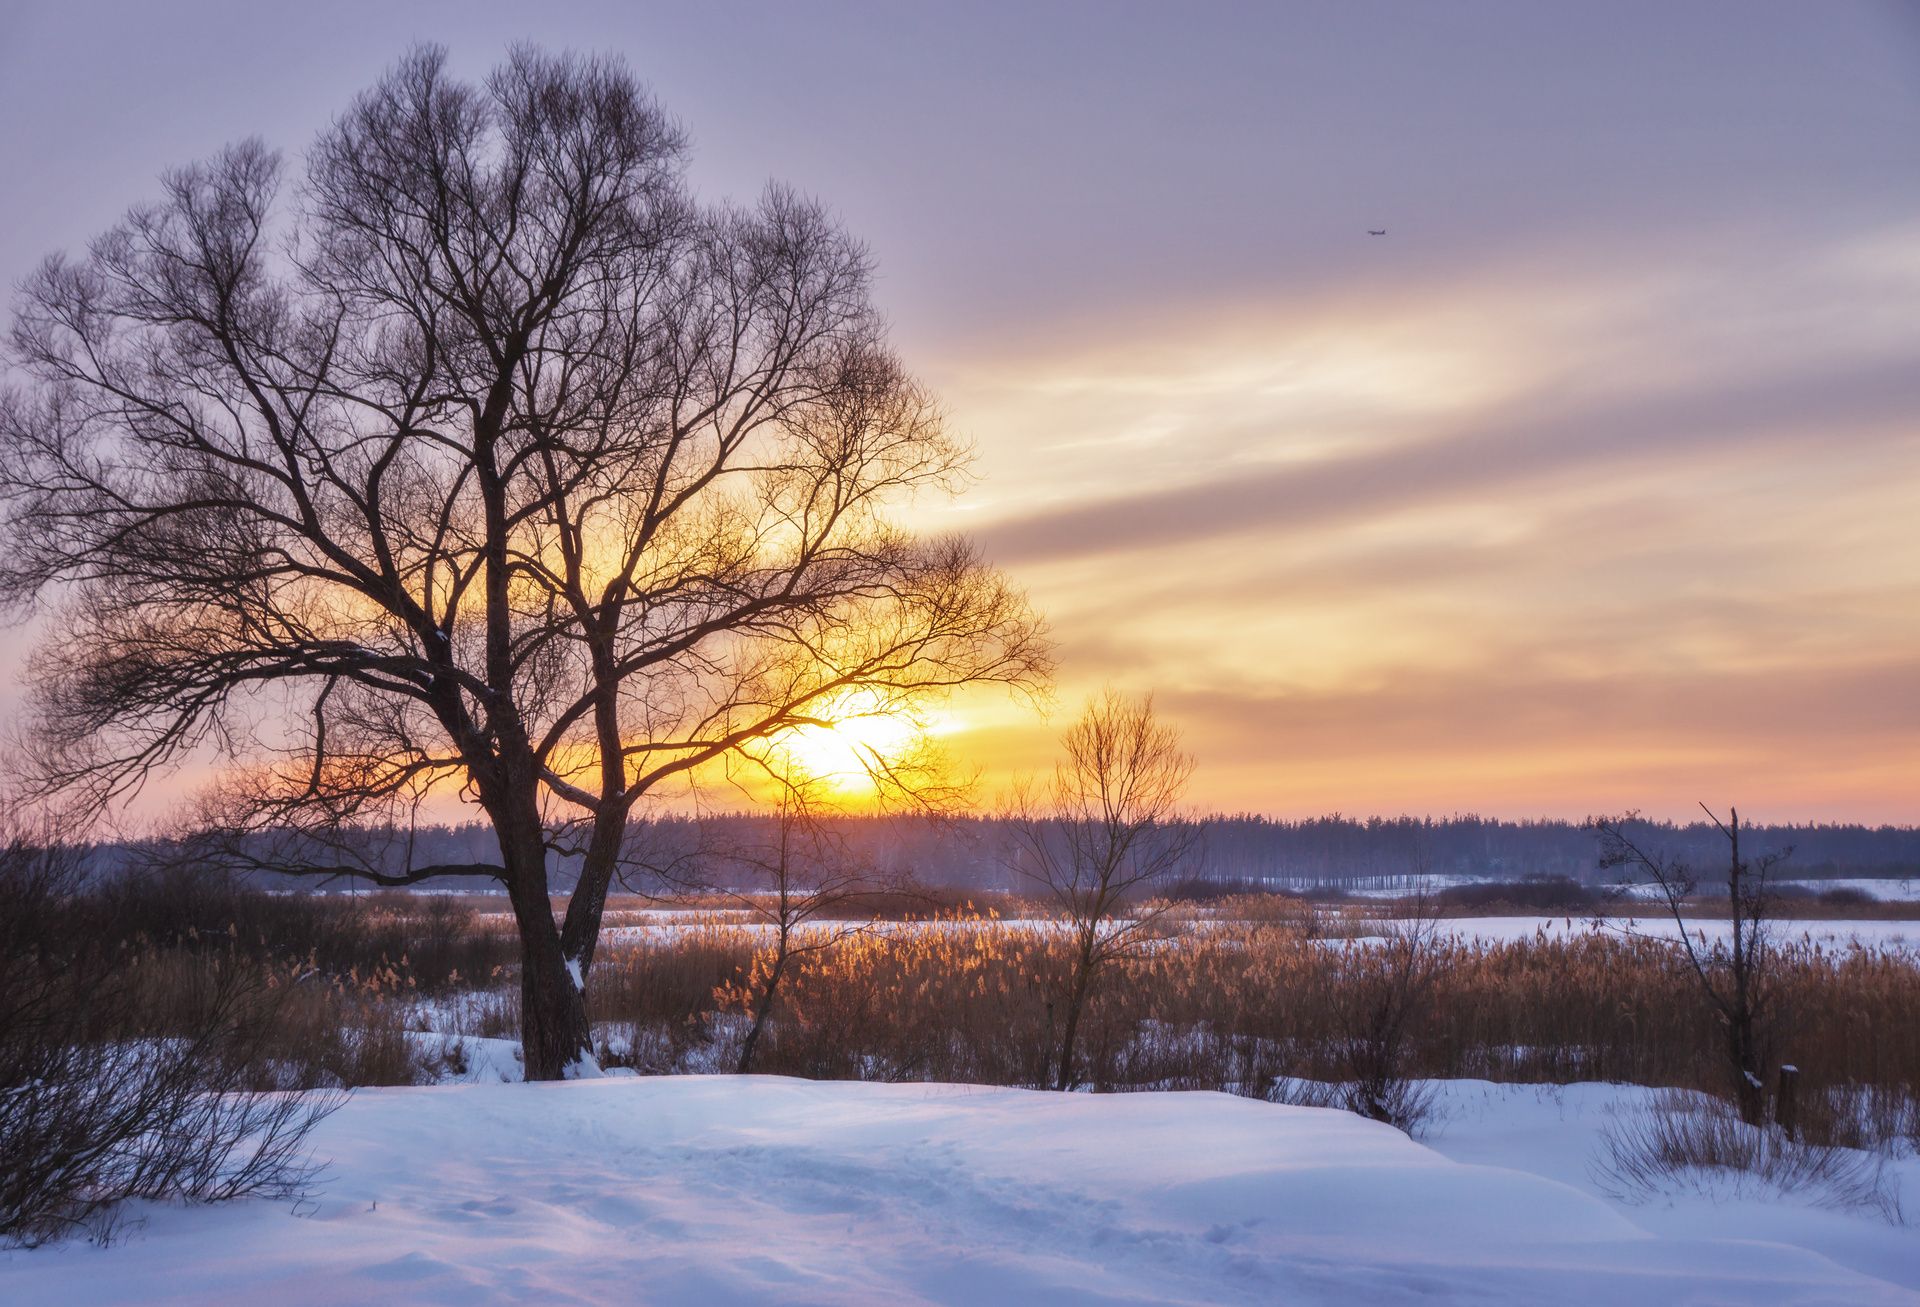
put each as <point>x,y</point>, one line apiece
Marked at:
<point>1516,543</point>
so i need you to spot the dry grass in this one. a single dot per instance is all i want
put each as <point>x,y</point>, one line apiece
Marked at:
<point>1691,1140</point>
<point>1258,995</point>
<point>312,1029</point>
<point>1255,1006</point>
<point>1531,899</point>
<point>437,942</point>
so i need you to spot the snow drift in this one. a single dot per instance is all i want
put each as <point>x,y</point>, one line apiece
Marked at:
<point>714,1190</point>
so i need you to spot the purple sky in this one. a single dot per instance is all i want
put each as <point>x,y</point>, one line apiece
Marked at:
<point>1590,485</point>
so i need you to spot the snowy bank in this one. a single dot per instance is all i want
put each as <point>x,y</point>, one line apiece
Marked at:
<point>1885,936</point>
<point>712,1190</point>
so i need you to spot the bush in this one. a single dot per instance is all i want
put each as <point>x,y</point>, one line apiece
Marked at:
<point>1211,889</point>
<point>434,940</point>
<point>1691,1140</point>
<point>99,1109</point>
<point>1541,894</point>
<point>1380,1015</point>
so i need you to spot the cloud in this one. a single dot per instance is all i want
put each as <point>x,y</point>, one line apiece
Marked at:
<point>1812,740</point>
<point>1528,442</point>
<point>1535,545</point>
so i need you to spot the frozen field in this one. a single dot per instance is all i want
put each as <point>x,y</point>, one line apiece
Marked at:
<point>719,1190</point>
<point>1902,935</point>
<point>1884,889</point>
<point>657,928</point>
<point>1887,891</point>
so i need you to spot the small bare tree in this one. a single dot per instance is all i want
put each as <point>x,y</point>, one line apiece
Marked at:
<point>490,463</point>
<point>795,874</point>
<point>1735,977</point>
<point>1107,830</point>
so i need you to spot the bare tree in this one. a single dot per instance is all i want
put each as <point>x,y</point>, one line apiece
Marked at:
<point>796,877</point>
<point>1107,830</point>
<point>1735,977</point>
<point>492,463</point>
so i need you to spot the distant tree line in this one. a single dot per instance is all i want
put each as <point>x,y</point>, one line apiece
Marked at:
<point>978,852</point>
<point>1337,847</point>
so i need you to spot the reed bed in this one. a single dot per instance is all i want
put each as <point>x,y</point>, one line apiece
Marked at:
<point>1262,995</point>
<point>1254,1006</point>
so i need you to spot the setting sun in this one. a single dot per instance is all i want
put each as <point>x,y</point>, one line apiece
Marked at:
<point>864,737</point>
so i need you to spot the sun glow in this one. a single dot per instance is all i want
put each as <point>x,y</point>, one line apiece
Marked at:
<point>864,737</point>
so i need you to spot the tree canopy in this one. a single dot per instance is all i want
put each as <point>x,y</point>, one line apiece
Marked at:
<point>484,456</point>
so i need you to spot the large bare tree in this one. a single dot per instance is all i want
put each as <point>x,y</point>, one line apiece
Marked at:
<point>483,459</point>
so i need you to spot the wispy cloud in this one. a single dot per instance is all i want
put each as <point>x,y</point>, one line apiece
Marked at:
<point>1655,520</point>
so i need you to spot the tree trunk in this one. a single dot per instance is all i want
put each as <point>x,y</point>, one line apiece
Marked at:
<point>1749,1089</point>
<point>580,936</point>
<point>1076,998</point>
<point>760,1011</point>
<point>555,1040</point>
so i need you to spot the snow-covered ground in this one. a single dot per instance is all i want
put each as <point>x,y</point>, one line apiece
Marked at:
<point>1553,1131</point>
<point>1376,887</point>
<point>1901,935</point>
<point>649,930</point>
<point>1887,891</point>
<point>714,1190</point>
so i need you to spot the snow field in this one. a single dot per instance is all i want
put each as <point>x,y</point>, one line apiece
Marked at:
<point>1903,936</point>
<point>719,1190</point>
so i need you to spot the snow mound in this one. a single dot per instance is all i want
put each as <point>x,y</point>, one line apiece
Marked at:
<point>718,1190</point>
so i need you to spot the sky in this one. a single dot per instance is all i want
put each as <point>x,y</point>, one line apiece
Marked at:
<point>1591,485</point>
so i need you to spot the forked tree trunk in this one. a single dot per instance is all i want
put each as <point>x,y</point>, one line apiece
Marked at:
<point>555,1040</point>
<point>580,935</point>
<point>553,1014</point>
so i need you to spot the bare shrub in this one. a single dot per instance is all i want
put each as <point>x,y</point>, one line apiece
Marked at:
<point>1298,1092</point>
<point>1301,913</point>
<point>1883,1118</point>
<point>98,1112</point>
<point>435,940</point>
<point>1388,990</point>
<point>1692,1140</point>
<point>1537,894</point>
